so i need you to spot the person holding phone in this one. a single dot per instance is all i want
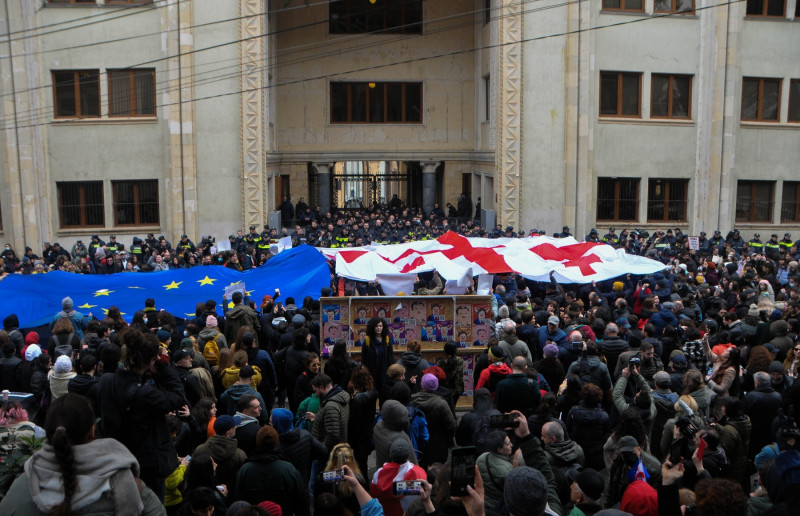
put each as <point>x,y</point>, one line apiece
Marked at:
<point>399,467</point>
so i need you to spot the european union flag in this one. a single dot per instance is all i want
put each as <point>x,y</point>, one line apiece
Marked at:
<point>35,298</point>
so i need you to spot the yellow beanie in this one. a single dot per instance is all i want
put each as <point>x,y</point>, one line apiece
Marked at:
<point>618,286</point>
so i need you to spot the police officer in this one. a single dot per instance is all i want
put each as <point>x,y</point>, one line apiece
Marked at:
<point>591,237</point>
<point>756,244</point>
<point>705,243</point>
<point>185,245</point>
<point>137,249</point>
<point>736,241</point>
<point>611,238</point>
<point>717,241</point>
<point>113,247</point>
<point>564,233</point>
<point>150,243</point>
<point>95,244</point>
<point>772,248</point>
<point>786,244</point>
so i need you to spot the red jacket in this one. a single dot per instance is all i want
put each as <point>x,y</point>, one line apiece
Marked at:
<point>497,368</point>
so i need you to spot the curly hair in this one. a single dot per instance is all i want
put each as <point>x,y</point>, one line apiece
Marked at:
<point>760,359</point>
<point>138,349</point>
<point>591,395</point>
<point>720,497</point>
<point>361,379</point>
<point>631,423</point>
<point>384,336</point>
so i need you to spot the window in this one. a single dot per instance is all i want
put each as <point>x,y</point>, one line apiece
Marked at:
<point>794,97</point>
<point>667,199</point>
<point>760,99</point>
<point>80,203</point>
<point>790,204</point>
<point>674,6</point>
<point>766,8</point>
<point>132,92</point>
<point>754,201</point>
<point>385,16</point>
<point>135,202</point>
<point>617,198</point>
<point>619,94</point>
<point>671,97</point>
<point>623,5</point>
<point>376,102</point>
<point>76,93</point>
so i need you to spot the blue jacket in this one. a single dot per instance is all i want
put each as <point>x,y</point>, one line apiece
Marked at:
<point>662,319</point>
<point>79,321</point>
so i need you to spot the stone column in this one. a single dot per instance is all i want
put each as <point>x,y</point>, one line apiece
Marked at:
<point>324,186</point>
<point>428,185</point>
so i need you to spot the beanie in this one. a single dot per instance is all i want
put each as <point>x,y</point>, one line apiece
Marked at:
<point>267,438</point>
<point>550,351</point>
<point>282,420</point>
<point>495,353</point>
<point>525,491</point>
<point>399,450</point>
<point>211,322</point>
<point>63,364</point>
<point>32,351</point>
<point>66,303</point>
<point>775,367</point>
<point>618,286</point>
<point>272,508</point>
<point>429,383</point>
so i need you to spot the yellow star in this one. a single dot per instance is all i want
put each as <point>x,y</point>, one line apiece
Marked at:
<point>173,285</point>
<point>206,281</point>
<point>86,306</point>
<point>235,283</point>
<point>230,304</point>
<point>103,292</point>
<point>191,315</point>
<point>249,292</point>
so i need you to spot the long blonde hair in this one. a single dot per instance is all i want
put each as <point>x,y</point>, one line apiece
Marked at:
<point>342,454</point>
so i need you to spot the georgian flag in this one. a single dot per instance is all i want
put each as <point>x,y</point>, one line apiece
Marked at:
<point>456,258</point>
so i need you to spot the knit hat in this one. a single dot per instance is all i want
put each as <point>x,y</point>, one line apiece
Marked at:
<point>32,338</point>
<point>700,279</point>
<point>775,367</point>
<point>266,439</point>
<point>719,349</point>
<point>753,311</point>
<point>224,423</point>
<point>429,383</point>
<point>32,352</point>
<point>282,420</point>
<point>640,499</point>
<point>525,491</point>
<point>272,508</point>
<point>495,353</point>
<point>550,351</point>
<point>399,450</point>
<point>63,364</point>
<point>66,303</point>
<point>211,322</point>
<point>618,286</point>
<point>163,335</point>
<point>661,380</point>
<point>775,315</point>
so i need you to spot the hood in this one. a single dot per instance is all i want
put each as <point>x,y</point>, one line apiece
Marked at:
<point>246,420</point>
<point>500,367</point>
<point>411,360</point>
<point>337,395</point>
<point>482,401</point>
<point>779,328</point>
<point>566,451</point>
<point>282,420</point>
<point>237,312</point>
<point>511,339</point>
<point>394,414</point>
<point>221,447</point>
<point>96,462</point>
<point>665,399</point>
<point>209,333</point>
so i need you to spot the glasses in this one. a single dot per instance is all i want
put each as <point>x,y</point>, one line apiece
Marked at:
<point>797,349</point>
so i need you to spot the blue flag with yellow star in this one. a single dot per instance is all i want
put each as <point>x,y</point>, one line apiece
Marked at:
<point>35,298</point>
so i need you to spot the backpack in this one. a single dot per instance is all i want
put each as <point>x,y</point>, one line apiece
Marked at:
<point>585,370</point>
<point>211,351</point>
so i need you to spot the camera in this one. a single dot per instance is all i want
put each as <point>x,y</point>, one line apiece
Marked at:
<point>684,422</point>
<point>634,362</point>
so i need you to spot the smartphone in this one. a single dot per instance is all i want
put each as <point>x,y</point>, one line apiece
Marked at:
<point>188,458</point>
<point>677,450</point>
<point>406,487</point>
<point>462,469</point>
<point>701,448</point>
<point>334,476</point>
<point>503,421</point>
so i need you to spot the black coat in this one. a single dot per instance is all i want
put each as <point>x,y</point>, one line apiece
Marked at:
<point>588,427</point>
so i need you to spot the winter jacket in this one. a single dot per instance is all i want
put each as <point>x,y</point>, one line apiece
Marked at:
<point>266,477</point>
<point>132,411</point>
<point>330,423</point>
<point>454,369</point>
<point>735,445</point>
<point>553,371</point>
<point>492,375</point>
<point>362,419</point>
<point>494,468</point>
<point>762,406</point>
<point>106,472</point>
<point>596,370</point>
<point>563,457</point>
<point>662,319</point>
<point>300,448</point>
<point>246,433</point>
<point>9,373</point>
<point>191,385</point>
<point>393,425</point>
<point>231,376</point>
<point>703,398</point>
<point>78,320</point>
<point>229,399</point>
<point>648,415</point>
<point>441,425</point>
<point>588,428</point>
<point>665,409</point>
<point>228,456</point>
<point>58,383</point>
<point>238,316</point>
<point>414,365</point>
<point>377,361</point>
<point>516,392</point>
<point>612,348</point>
<point>85,385</point>
<point>513,347</point>
<point>779,331</point>
<point>382,481</point>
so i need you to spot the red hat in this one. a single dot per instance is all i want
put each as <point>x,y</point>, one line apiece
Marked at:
<point>640,499</point>
<point>272,508</point>
<point>32,338</point>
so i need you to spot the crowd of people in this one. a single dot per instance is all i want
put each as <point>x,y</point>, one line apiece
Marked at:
<point>385,224</point>
<point>669,394</point>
